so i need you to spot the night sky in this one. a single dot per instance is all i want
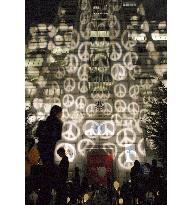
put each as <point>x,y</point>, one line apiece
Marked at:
<point>44,11</point>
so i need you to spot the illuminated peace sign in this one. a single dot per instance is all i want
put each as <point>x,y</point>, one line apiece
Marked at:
<point>135,72</point>
<point>118,72</point>
<point>68,100</point>
<point>116,51</point>
<point>91,110</point>
<point>77,116</point>
<point>72,63</point>
<point>38,103</point>
<point>85,145</point>
<point>125,136</point>
<point>85,30</point>
<point>75,39</point>
<point>141,148</point>
<point>107,109</point>
<point>69,151</point>
<point>126,159</point>
<point>120,106</point>
<point>110,148</point>
<point>81,102</point>
<point>130,59</point>
<point>119,90</point>
<point>83,51</point>
<point>69,84</point>
<point>133,108</point>
<point>134,91</point>
<point>83,86</point>
<point>117,119</point>
<point>127,40</point>
<point>70,131</point>
<point>85,17</point>
<point>83,72</point>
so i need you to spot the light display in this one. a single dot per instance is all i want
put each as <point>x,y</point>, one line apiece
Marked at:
<point>102,59</point>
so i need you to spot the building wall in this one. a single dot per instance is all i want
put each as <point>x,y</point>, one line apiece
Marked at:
<point>58,69</point>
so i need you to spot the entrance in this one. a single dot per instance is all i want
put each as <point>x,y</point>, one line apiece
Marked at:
<point>99,167</point>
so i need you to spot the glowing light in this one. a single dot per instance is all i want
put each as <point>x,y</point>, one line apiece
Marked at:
<point>83,72</point>
<point>117,119</point>
<point>41,81</point>
<point>133,108</point>
<point>72,63</point>
<point>159,36</point>
<point>145,26</point>
<point>69,151</point>
<point>68,100</point>
<point>83,51</point>
<point>107,109</point>
<point>120,90</point>
<point>38,103</point>
<point>118,72</point>
<point>81,102</point>
<point>125,136</point>
<point>30,89</point>
<point>86,197</point>
<point>130,59</point>
<point>134,91</point>
<point>120,200</point>
<point>84,145</point>
<point>83,86</point>
<point>69,84</point>
<point>91,110</point>
<point>141,148</point>
<point>71,131</point>
<point>52,89</point>
<point>120,106</point>
<point>110,146</point>
<point>33,72</point>
<point>126,40</point>
<point>77,116</point>
<point>116,185</point>
<point>150,46</point>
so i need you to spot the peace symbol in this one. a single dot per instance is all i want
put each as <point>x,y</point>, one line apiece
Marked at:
<point>70,131</point>
<point>81,102</point>
<point>85,30</point>
<point>91,110</point>
<point>116,51</point>
<point>127,41</point>
<point>134,91</point>
<point>125,161</point>
<point>117,119</point>
<point>38,103</point>
<point>83,86</point>
<point>85,17</point>
<point>120,106</point>
<point>108,146</point>
<point>107,109</point>
<point>75,39</point>
<point>133,108</point>
<point>60,72</point>
<point>85,145</point>
<point>140,147</point>
<point>119,90</point>
<point>66,114</point>
<point>125,136</point>
<point>72,63</point>
<point>118,72</point>
<point>69,151</point>
<point>68,100</point>
<point>77,116</point>
<point>83,72</point>
<point>69,84</point>
<point>130,59</point>
<point>89,128</point>
<point>135,72</point>
<point>83,51</point>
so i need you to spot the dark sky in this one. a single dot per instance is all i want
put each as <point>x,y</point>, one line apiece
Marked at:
<point>44,11</point>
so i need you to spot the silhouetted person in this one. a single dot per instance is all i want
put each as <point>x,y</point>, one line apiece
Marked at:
<point>48,133</point>
<point>125,192</point>
<point>84,185</point>
<point>154,177</point>
<point>76,184</point>
<point>137,182</point>
<point>61,191</point>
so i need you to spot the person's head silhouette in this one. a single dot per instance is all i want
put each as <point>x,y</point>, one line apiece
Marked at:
<point>56,111</point>
<point>137,164</point>
<point>61,152</point>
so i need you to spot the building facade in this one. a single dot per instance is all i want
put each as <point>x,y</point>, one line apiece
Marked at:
<point>99,61</point>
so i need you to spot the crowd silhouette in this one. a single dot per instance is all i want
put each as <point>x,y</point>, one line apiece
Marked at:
<point>48,183</point>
